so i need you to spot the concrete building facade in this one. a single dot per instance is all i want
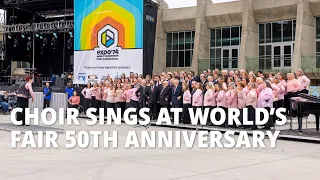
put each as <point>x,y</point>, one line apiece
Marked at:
<point>268,35</point>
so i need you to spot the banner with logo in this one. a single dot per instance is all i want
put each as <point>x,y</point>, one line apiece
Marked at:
<point>108,37</point>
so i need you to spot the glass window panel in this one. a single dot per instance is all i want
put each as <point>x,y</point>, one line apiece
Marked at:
<point>261,62</point>
<point>276,32</point>
<point>318,47</point>
<point>188,40</point>
<point>261,50</point>
<point>212,53</point>
<point>169,41</point>
<point>181,59</point>
<point>235,53</point>
<point>287,30</point>
<point>287,50</point>
<point>318,27</point>
<point>294,30</point>
<point>235,39</point>
<point>268,33</point>
<point>191,56</point>
<point>181,41</point>
<point>188,58</point>
<point>226,37</point>
<point>234,63</point>
<point>218,53</point>
<point>268,59</point>
<point>268,50</point>
<point>218,37</point>
<point>276,56</point>
<point>261,33</point>
<point>213,38</point>
<point>175,59</point>
<point>225,58</point>
<point>175,41</point>
<point>169,58</point>
<point>193,35</point>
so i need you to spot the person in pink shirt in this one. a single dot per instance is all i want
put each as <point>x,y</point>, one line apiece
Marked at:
<point>293,87</point>
<point>99,95</point>
<point>231,98</point>
<point>265,100</point>
<point>304,82</point>
<point>186,104</point>
<point>245,80</point>
<point>110,96</point>
<point>74,100</point>
<point>259,81</point>
<point>251,104</point>
<point>94,92</point>
<point>127,95</point>
<point>134,98</point>
<point>86,92</point>
<point>241,99</point>
<point>118,99</point>
<point>106,86</point>
<point>221,100</point>
<point>209,101</point>
<point>197,98</point>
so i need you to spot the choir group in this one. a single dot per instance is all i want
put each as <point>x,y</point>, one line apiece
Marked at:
<point>225,89</point>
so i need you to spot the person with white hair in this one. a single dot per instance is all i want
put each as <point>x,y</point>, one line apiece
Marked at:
<point>304,81</point>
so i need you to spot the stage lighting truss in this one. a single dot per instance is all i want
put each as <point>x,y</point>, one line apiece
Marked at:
<point>18,2</point>
<point>37,27</point>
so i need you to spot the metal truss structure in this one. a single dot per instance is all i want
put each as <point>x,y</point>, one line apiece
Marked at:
<point>18,2</point>
<point>37,27</point>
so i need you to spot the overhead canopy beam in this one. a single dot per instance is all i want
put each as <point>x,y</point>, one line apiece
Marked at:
<point>37,27</point>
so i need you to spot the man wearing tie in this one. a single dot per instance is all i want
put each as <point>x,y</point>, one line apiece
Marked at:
<point>177,96</point>
<point>152,93</point>
<point>165,96</point>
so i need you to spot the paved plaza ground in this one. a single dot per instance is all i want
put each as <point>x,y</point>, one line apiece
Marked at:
<point>289,161</point>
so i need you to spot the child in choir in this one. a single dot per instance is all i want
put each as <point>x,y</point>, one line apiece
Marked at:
<point>86,92</point>
<point>209,100</point>
<point>186,104</point>
<point>251,104</point>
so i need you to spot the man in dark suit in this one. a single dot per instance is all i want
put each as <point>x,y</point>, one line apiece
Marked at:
<point>152,93</point>
<point>141,93</point>
<point>176,99</point>
<point>165,96</point>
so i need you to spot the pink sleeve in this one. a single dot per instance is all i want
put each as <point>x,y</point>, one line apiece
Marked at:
<point>82,92</point>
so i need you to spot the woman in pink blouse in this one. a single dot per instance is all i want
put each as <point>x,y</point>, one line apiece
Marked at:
<point>209,101</point>
<point>259,82</point>
<point>94,92</point>
<point>231,98</point>
<point>221,101</point>
<point>99,95</point>
<point>265,100</point>
<point>283,92</point>
<point>118,99</point>
<point>110,96</point>
<point>86,92</point>
<point>251,103</point>
<point>304,81</point>
<point>197,98</point>
<point>293,87</point>
<point>241,99</point>
<point>186,104</point>
<point>127,95</point>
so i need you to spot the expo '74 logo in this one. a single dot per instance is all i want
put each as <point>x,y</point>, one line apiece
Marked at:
<point>108,37</point>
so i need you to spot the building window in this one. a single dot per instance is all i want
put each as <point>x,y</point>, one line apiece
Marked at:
<point>225,47</point>
<point>276,43</point>
<point>318,35</point>
<point>180,49</point>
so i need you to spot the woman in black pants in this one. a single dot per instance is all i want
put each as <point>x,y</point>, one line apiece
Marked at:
<point>24,93</point>
<point>86,92</point>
